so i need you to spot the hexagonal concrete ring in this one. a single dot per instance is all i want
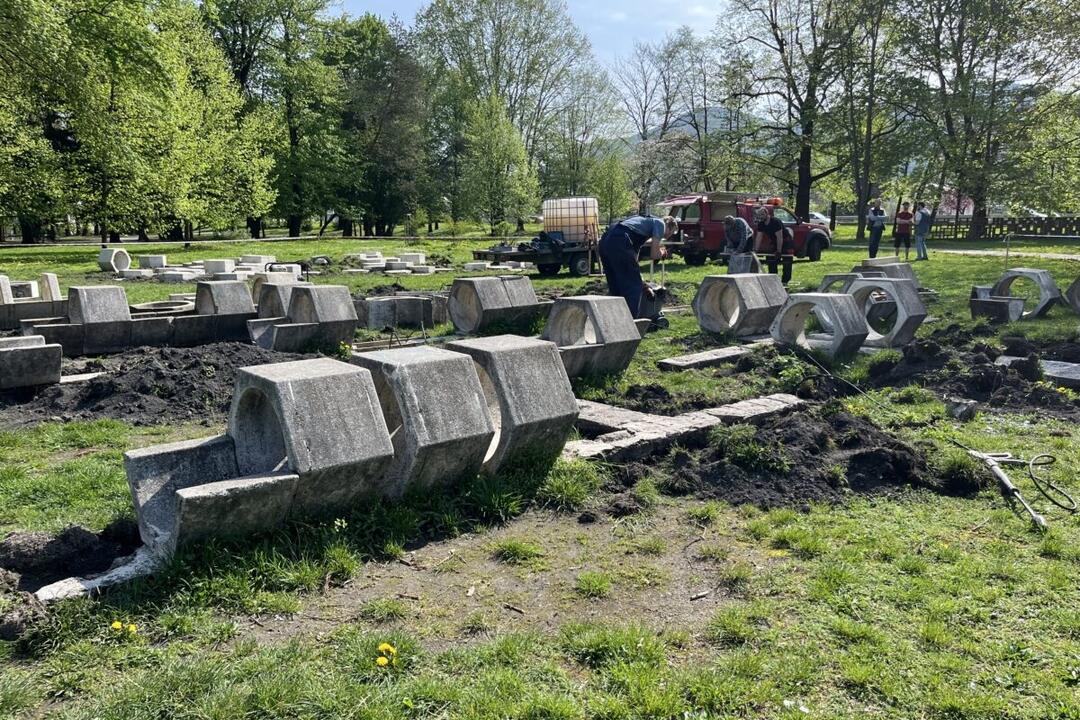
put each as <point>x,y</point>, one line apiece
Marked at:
<point>910,310</point>
<point>595,334</point>
<point>319,419</point>
<point>849,324</point>
<point>476,303</point>
<point>113,259</point>
<point>437,414</point>
<point>528,395</point>
<point>1049,293</point>
<point>741,303</point>
<point>329,306</point>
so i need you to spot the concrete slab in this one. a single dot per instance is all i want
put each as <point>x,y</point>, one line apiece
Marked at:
<point>152,261</point>
<point>528,396</point>
<point>27,361</point>
<point>7,297</point>
<point>218,266</point>
<point>436,412</point>
<point>234,508</point>
<point>1061,374</point>
<point>743,263</point>
<point>223,297</point>
<point>708,358</point>
<point>479,303</point>
<point>89,305</point>
<point>997,309</point>
<point>25,290</point>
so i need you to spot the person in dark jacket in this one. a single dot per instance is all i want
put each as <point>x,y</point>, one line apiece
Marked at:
<point>620,248</point>
<point>774,243</point>
<point>739,236</point>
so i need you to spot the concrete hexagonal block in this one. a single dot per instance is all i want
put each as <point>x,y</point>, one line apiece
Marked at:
<point>476,303</point>
<point>742,304</point>
<point>319,419</point>
<point>277,278</point>
<point>152,261</point>
<point>50,287</point>
<point>896,270</point>
<point>595,334</point>
<point>743,263</point>
<point>997,309</point>
<point>114,259</point>
<point>223,297</point>
<point>211,267</point>
<point>328,306</point>
<point>1049,293</point>
<point>528,394</point>
<point>909,308</point>
<point>849,324</point>
<point>95,304</point>
<point>234,507</point>
<point>274,297</point>
<point>436,412</point>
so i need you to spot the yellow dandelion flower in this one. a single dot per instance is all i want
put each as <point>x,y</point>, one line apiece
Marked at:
<point>381,661</point>
<point>117,625</point>
<point>132,629</point>
<point>387,648</point>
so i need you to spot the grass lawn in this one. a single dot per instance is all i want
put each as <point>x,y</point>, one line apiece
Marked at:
<point>494,601</point>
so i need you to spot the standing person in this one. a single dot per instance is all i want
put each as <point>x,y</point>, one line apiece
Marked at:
<point>875,220</point>
<point>619,250</point>
<point>923,218</point>
<point>902,234</point>
<point>771,238</point>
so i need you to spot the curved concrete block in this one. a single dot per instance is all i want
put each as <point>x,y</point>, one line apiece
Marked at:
<point>476,303</point>
<point>328,306</point>
<point>742,304</point>
<point>223,297</point>
<point>94,304</point>
<point>114,259</point>
<point>437,415</point>
<point>595,334</point>
<point>528,395</point>
<point>849,324</point>
<point>319,419</point>
<point>909,308</point>
<point>1049,293</point>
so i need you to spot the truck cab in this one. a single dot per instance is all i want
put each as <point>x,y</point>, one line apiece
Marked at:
<point>701,224</point>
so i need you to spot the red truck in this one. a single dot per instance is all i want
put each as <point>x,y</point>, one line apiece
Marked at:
<point>701,224</point>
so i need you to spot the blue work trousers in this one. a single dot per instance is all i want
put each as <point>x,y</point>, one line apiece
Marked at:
<point>619,254</point>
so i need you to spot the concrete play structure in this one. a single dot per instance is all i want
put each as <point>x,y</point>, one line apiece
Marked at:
<point>849,328</point>
<point>476,304</point>
<point>595,334</point>
<point>1049,293</point>
<point>741,304</point>
<point>313,437</point>
<point>997,304</point>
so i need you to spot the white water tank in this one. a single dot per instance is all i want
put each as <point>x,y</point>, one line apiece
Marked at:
<point>576,218</point>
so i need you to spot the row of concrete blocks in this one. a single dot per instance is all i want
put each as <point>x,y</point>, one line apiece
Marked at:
<point>28,361</point>
<point>295,317</point>
<point>117,260</point>
<point>997,303</point>
<point>753,304</point>
<point>314,437</point>
<point>99,320</point>
<point>46,288</point>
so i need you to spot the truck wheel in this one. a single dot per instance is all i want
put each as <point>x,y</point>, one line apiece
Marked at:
<point>695,260</point>
<point>813,248</point>
<point>579,265</point>
<point>549,269</point>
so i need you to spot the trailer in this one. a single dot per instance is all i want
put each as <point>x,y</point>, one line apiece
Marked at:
<point>571,231</point>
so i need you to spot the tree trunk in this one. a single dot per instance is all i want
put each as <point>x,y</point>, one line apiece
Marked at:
<point>114,236</point>
<point>802,191</point>
<point>369,226</point>
<point>346,225</point>
<point>143,235</point>
<point>175,233</point>
<point>31,229</point>
<point>255,227</point>
<point>521,225</point>
<point>294,222</point>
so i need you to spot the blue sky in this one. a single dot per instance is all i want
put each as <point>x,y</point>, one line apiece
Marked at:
<point>611,25</point>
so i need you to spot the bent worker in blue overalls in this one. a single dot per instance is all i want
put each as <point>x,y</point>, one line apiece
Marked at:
<point>619,250</point>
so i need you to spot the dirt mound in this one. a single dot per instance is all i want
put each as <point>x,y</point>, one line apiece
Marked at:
<point>657,400</point>
<point>39,558</point>
<point>143,386</point>
<point>792,461</point>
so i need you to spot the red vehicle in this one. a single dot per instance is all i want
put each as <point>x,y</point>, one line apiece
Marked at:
<point>701,224</point>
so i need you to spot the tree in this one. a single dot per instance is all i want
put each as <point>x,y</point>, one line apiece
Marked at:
<point>609,182</point>
<point>498,181</point>
<point>576,140</point>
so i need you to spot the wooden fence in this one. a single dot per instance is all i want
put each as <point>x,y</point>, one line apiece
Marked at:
<point>953,228</point>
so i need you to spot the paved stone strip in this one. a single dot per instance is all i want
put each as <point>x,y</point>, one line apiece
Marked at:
<point>707,358</point>
<point>1062,374</point>
<point>634,435</point>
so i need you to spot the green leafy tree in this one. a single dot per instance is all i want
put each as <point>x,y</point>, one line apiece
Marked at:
<point>497,178</point>
<point>610,183</point>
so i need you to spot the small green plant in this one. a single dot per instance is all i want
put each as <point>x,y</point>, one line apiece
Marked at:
<point>382,610</point>
<point>645,493</point>
<point>960,472</point>
<point>704,514</point>
<point>737,577</point>
<point>736,624</point>
<point>740,446</point>
<point>513,551</point>
<point>476,623</point>
<point>591,584</point>
<point>569,484</point>
<point>651,545</point>
<point>883,361</point>
<point>911,395</point>
<point>802,543</point>
<point>598,645</point>
<point>836,475</point>
<point>713,552</point>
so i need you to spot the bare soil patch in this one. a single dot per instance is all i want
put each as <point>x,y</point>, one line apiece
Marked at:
<point>142,386</point>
